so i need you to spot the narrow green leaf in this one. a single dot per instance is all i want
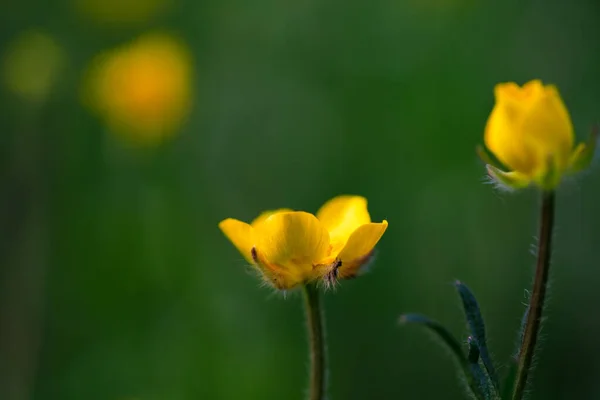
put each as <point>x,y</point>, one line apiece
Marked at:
<point>454,346</point>
<point>483,381</point>
<point>477,329</point>
<point>473,355</point>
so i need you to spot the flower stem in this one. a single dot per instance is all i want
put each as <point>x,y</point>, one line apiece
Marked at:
<point>314,319</point>
<point>538,295</point>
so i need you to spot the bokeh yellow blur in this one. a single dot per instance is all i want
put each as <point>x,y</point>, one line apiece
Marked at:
<point>142,89</point>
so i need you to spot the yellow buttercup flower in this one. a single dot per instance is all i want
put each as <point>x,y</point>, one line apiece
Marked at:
<point>142,89</point>
<point>531,133</point>
<point>295,247</point>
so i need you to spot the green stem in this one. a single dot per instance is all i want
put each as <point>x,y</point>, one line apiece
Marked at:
<point>314,319</point>
<point>538,295</point>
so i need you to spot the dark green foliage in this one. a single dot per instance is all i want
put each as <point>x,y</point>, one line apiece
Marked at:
<point>475,377</point>
<point>509,380</point>
<point>477,365</point>
<point>477,328</point>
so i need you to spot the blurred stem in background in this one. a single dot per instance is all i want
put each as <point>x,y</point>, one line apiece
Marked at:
<point>24,253</point>
<point>314,320</point>
<point>31,67</point>
<point>536,305</point>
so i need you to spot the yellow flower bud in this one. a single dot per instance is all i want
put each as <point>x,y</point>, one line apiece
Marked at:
<point>290,248</point>
<point>530,132</point>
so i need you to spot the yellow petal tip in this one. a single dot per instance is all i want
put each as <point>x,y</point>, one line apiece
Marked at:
<point>240,234</point>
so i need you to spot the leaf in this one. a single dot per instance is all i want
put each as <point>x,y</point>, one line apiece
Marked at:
<point>454,346</point>
<point>477,329</point>
<point>473,355</point>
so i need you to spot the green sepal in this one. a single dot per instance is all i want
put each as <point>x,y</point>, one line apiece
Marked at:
<point>488,158</point>
<point>485,156</point>
<point>508,180</point>
<point>582,156</point>
<point>495,170</point>
<point>551,178</point>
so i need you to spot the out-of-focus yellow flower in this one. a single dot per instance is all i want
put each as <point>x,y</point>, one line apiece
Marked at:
<point>294,247</point>
<point>120,12</point>
<point>142,89</point>
<point>31,65</point>
<point>530,132</point>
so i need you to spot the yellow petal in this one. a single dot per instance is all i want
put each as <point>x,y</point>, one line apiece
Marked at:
<point>360,245</point>
<point>528,126</point>
<point>510,91</point>
<point>292,241</point>
<point>266,214</point>
<point>503,135</point>
<point>240,234</point>
<point>549,126</point>
<point>341,216</point>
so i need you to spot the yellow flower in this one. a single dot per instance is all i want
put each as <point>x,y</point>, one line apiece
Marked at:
<point>31,65</point>
<point>142,89</point>
<point>294,247</point>
<point>530,132</point>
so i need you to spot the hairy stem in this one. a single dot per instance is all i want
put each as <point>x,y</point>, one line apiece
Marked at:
<point>538,295</point>
<point>314,320</point>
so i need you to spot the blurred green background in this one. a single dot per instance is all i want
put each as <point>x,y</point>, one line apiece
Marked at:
<point>115,282</point>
